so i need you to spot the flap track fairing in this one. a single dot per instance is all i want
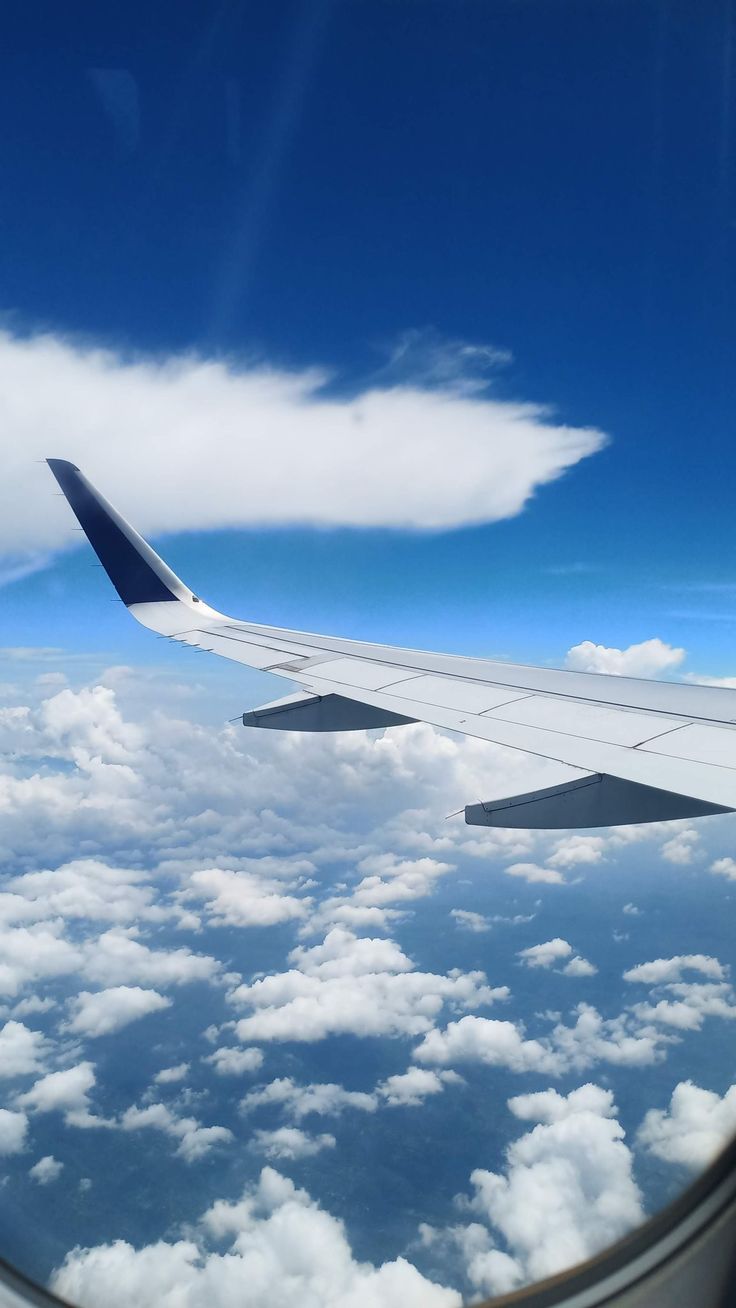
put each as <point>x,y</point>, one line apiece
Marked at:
<point>594,800</point>
<point>307,712</point>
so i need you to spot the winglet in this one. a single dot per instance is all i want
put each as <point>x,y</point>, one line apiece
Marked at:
<point>135,570</point>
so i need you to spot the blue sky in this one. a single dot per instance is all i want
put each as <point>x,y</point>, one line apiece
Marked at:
<point>302,184</point>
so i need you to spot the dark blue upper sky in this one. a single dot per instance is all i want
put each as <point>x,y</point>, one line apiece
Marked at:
<point>307,180</point>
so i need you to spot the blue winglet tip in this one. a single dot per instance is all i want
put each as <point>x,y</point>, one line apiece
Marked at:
<point>129,569</point>
<point>61,465</point>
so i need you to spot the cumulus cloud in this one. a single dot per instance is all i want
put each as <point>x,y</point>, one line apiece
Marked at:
<point>103,1012</point>
<point>693,1129</point>
<point>115,792</point>
<point>533,872</point>
<point>171,1075</point>
<point>568,1190</point>
<point>547,954</point>
<point>22,1051</point>
<point>115,957</point>
<point>579,967</point>
<point>681,847</point>
<point>724,867</point>
<point>194,1140</point>
<point>628,1040</point>
<point>271,1217</point>
<point>487,1040</point>
<point>13,1128</point>
<point>290,1142</point>
<point>474,458</point>
<point>298,1101</point>
<point>178,799</point>
<point>245,898</point>
<point>66,1092</point>
<point>387,880</point>
<point>353,985</point>
<point>46,1169</point>
<point>410,1088</point>
<point>83,888</point>
<point>650,658</point>
<point>622,1041</point>
<point>661,970</point>
<point>230,1061</point>
<point>34,953</point>
<point>688,1004</point>
<point>572,851</point>
<point>469,920</point>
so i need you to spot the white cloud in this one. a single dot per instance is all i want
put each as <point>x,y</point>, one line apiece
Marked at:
<point>194,1140</point>
<point>724,867</point>
<point>567,1192</point>
<point>486,1040</point>
<point>46,1169</point>
<point>102,1012</point>
<point>83,888</point>
<point>469,920</point>
<point>547,954</point>
<point>533,872</point>
<point>549,1106</point>
<point>353,985</point>
<point>342,954</point>
<point>13,1127</point>
<point>473,458</point>
<point>410,1088</point>
<point>661,970</point>
<point>30,954</point>
<point>681,847</point>
<point>229,1061</point>
<point>579,967</point>
<point>290,1142</point>
<point>21,1050</point>
<point>117,959</point>
<point>387,880</point>
<point>693,1129</point>
<point>391,880</point>
<point>618,1040</point>
<point>650,658</point>
<point>319,1272</point>
<point>631,910</point>
<point>187,794</point>
<point>245,899</point>
<point>691,1004</point>
<point>33,1004</point>
<point>573,851</point>
<point>298,1101</point>
<point>627,1040</point>
<point>65,1092</point>
<point>171,1075</point>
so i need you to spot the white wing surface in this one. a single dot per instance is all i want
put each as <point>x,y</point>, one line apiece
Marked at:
<point>625,750</point>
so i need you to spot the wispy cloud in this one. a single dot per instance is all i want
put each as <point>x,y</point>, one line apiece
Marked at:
<point>194,443</point>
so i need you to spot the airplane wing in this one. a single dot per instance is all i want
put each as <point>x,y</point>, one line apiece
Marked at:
<point>625,750</point>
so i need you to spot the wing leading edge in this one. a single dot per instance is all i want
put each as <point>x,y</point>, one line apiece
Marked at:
<point>622,750</point>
